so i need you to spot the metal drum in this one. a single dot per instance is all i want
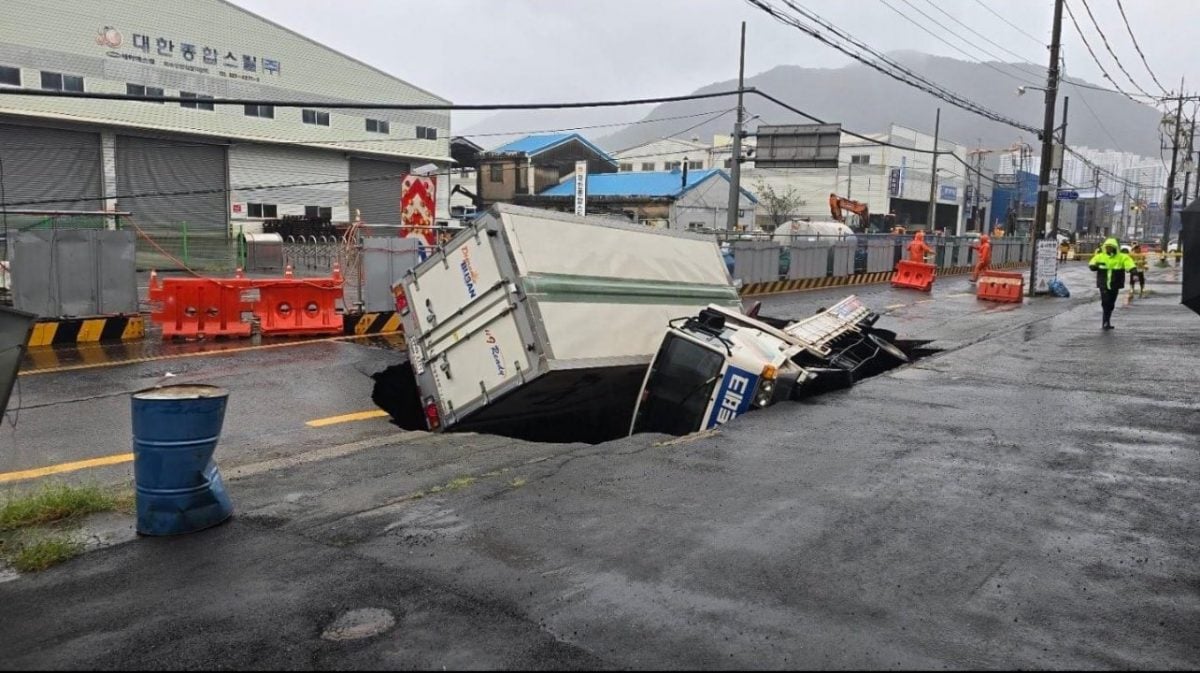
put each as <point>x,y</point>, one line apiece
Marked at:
<point>175,432</point>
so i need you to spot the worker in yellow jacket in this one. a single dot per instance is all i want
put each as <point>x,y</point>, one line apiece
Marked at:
<point>1139,273</point>
<point>1111,265</point>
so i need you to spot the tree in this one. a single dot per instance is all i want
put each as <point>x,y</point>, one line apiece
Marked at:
<point>780,206</point>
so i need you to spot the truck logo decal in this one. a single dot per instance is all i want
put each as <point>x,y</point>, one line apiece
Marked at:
<point>733,398</point>
<point>470,275</point>
<point>496,356</point>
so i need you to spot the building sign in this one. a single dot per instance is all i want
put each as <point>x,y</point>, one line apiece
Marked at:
<point>170,52</point>
<point>798,146</point>
<point>947,193</point>
<point>894,183</point>
<point>581,188</point>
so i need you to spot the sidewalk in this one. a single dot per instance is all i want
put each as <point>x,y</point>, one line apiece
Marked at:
<point>1025,499</point>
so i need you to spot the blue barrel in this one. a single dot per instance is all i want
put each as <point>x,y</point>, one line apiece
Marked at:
<point>175,432</point>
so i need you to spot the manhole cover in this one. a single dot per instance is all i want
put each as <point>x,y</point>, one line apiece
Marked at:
<point>358,624</point>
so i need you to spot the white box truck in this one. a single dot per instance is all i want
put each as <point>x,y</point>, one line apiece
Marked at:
<point>530,321</point>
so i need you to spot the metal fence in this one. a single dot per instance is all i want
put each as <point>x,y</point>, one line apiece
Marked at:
<point>758,257</point>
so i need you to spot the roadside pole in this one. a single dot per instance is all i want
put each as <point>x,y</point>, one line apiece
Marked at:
<point>1039,215</point>
<point>1062,161</point>
<point>735,166</point>
<point>1170,195</point>
<point>933,181</point>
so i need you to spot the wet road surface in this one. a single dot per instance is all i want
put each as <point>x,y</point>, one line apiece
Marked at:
<point>1024,499</point>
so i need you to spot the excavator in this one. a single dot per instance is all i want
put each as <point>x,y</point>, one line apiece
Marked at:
<point>837,205</point>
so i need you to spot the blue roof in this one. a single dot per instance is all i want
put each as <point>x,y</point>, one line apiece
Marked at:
<point>640,183</point>
<point>533,145</point>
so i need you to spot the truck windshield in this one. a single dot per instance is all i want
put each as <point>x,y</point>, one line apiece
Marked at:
<point>681,381</point>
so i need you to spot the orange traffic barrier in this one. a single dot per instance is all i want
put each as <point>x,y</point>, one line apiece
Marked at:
<point>914,275</point>
<point>192,308</point>
<point>301,306</point>
<point>1000,286</point>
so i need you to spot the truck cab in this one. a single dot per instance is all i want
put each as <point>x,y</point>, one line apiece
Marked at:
<point>720,364</point>
<point>712,368</point>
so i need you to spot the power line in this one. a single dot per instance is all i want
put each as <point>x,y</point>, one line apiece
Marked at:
<point>1138,47</point>
<point>947,42</point>
<point>37,147</point>
<point>906,77</point>
<point>1037,41</point>
<point>1104,39</point>
<point>1091,51</point>
<point>94,95</point>
<point>1020,58</point>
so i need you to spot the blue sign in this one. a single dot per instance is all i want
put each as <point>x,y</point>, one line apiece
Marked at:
<point>947,193</point>
<point>1067,195</point>
<point>734,396</point>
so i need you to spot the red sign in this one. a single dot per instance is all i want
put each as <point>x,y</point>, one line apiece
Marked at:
<point>417,208</point>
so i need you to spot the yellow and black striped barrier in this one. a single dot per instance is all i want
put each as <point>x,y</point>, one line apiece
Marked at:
<point>67,331</point>
<point>383,322</point>
<point>805,284</point>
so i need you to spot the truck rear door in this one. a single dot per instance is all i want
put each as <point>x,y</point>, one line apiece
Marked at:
<point>467,344</point>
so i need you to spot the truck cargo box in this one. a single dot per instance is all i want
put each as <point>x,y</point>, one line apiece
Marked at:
<point>529,318</point>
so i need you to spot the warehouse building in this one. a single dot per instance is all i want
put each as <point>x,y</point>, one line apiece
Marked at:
<point>211,168</point>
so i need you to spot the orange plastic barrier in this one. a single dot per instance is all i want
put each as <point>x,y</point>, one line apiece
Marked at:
<point>304,306</point>
<point>1000,286</point>
<point>914,275</point>
<point>192,308</point>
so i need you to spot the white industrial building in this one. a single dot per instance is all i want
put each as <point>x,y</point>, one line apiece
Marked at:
<point>665,154</point>
<point>213,167</point>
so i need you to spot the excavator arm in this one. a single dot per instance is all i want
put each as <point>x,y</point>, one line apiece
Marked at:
<point>838,206</point>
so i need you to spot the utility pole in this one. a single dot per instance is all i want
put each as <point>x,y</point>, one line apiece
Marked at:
<point>1187,161</point>
<point>850,179</point>
<point>1062,161</point>
<point>1170,200</point>
<point>1039,215</point>
<point>1096,198</point>
<point>1125,210</point>
<point>735,168</point>
<point>937,124</point>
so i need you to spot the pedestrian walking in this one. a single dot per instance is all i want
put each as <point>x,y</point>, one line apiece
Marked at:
<point>1064,247</point>
<point>1140,263</point>
<point>1111,265</point>
<point>984,259</point>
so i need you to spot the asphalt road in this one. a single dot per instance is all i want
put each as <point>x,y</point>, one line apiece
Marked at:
<point>1024,499</point>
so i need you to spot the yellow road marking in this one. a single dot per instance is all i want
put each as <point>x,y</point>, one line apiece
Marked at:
<point>347,418</point>
<point>961,294</point>
<point>174,356</point>
<point>116,459</point>
<point>894,306</point>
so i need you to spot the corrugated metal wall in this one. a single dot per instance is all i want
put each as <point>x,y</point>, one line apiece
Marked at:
<point>375,189</point>
<point>159,180</point>
<point>251,164</point>
<point>45,164</point>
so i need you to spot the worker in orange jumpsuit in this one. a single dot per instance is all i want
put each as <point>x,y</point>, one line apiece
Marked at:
<point>984,249</point>
<point>917,248</point>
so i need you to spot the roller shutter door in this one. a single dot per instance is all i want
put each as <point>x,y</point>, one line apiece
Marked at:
<point>51,169</point>
<point>375,189</point>
<point>165,183</point>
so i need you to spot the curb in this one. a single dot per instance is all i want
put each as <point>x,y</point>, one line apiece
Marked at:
<point>66,331</point>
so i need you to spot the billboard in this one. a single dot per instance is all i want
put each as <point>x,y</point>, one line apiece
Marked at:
<point>798,146</point>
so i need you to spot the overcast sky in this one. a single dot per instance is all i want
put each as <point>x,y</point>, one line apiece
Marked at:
<point>485,51</point>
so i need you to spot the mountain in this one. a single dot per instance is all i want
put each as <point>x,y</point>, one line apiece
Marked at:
<point>867,101</point>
